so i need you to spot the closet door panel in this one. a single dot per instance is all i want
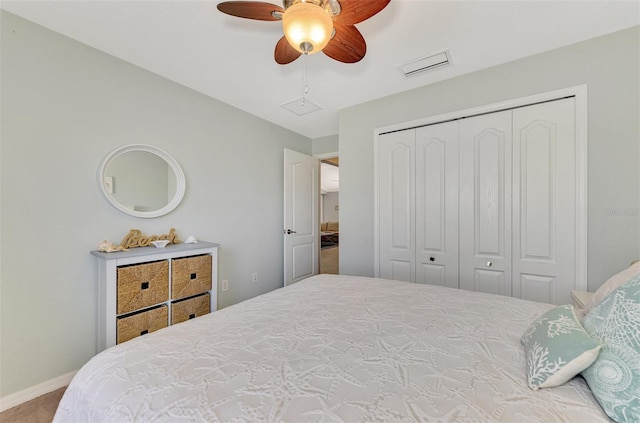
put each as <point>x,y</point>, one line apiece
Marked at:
<point>534,287</point>
<point>399,270</point>
<point>432,274</point>
<point>437,204</point>
<point>544,206</point>
<point>397,206</point>
<point>491,282</point>
<point>485,203</point>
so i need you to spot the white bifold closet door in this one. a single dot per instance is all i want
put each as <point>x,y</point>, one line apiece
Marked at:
<point>418,194</point>
<point>437,204</point>
<point>485,203</point>
<point>518,202</point>
<point>396,214</point>
<point>544,202</point>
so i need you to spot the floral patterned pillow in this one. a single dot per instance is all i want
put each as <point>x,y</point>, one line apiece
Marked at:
<point>557,348</point>
<point>614,378</point>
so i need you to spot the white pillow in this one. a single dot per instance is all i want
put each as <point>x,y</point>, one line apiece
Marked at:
<point>611,285</point>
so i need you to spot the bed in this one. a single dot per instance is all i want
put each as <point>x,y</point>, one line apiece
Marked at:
<point>332,348</point>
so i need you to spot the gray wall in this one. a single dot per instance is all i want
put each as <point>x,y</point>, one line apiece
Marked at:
<point>324,145</point>
<point>330,201</point>
<point>609,65</point>
<point>64,107</point>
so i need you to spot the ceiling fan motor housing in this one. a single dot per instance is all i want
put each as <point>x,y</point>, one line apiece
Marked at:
<point>332,6</point>
<point>307,25</point>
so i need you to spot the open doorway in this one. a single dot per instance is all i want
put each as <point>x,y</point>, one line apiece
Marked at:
<point>329,215</point>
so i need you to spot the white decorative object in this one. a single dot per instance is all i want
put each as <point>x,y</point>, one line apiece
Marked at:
<point>123,156</point>
<point>191,240</point>
<point>161,243</point>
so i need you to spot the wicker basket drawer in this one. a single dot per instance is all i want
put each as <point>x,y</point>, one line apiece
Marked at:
<point>190,276</point>
<point>190,308</point>
<point>134,325</point>
<point>142,285</point>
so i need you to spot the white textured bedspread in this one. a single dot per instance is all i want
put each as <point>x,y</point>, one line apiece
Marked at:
<point>331,349</point>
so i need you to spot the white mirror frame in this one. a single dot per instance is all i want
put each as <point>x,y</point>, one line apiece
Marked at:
<point>180,180</point>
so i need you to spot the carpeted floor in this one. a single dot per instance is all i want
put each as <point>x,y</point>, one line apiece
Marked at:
<point>39,410</point>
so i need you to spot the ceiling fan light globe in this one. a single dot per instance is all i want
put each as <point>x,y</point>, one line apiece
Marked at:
<point>307,25</point>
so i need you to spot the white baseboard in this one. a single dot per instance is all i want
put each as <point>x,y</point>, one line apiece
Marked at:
<point>28,394</point>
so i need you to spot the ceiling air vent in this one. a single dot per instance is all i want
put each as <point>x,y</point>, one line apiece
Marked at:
<point>423,64</point>
<point>301,106</point>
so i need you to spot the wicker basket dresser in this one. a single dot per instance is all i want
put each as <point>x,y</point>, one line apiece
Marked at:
<point>145,289</point>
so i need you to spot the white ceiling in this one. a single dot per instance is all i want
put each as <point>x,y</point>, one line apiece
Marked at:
<point>231,59</point>
<point>329,178</point>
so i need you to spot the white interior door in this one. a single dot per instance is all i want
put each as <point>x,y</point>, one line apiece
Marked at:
<point>485,203</point>
<point>437,204</point>
<point>544,201</point>
<point>301,216</point>
<point>396,199</point>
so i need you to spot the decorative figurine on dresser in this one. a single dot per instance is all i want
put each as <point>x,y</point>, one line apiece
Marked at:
<point>148,283</point>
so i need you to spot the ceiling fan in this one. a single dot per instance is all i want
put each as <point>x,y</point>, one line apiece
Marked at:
<point>311,26</point>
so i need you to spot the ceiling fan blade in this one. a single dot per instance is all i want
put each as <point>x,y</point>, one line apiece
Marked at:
<point>284,52</point>
<point>347,46</point>
<point>251,10</point>
<point>354,11</point>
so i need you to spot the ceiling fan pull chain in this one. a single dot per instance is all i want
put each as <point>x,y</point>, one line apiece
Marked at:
<point>305,85</point>
<point>306,78</point>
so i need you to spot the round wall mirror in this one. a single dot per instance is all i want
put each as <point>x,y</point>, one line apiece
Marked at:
<point>141,180</point>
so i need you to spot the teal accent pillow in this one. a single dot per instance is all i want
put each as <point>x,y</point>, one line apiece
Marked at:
<point>557,348</point>
<point>614,378</point>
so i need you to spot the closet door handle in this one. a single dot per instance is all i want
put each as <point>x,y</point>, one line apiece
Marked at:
<point>432,259</point>
<point>489,264</point>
